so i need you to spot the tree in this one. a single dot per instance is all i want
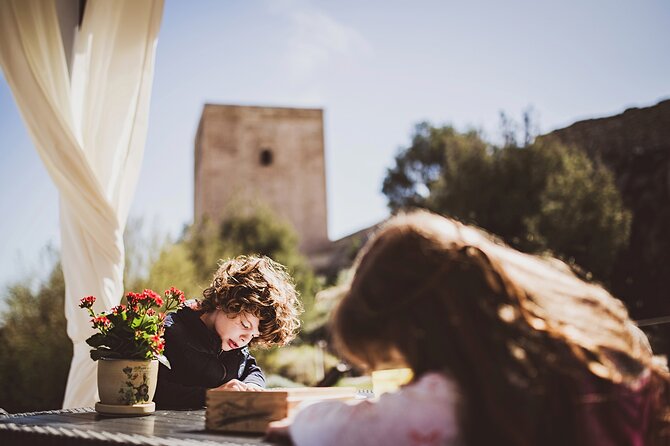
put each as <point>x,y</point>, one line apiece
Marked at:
<point>190,262</point>
<point>35,352</point>
<point>172,267</point>
<point>581,214</point>
<point>537,196</point>
<point>262,232</point>
<point>420,167</point>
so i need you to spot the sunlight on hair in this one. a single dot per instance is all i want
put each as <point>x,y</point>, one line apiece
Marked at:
<point>516,351</point>
<point>507,313</point>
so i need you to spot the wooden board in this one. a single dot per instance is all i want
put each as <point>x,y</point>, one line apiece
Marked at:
<point>247,411</point>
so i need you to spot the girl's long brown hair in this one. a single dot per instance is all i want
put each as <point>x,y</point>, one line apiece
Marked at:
<point>533,348</point>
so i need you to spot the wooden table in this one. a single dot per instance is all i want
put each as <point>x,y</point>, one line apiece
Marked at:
<point>86,427</point>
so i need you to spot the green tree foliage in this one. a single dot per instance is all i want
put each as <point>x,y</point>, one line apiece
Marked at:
<point>190,263</point>
<point>35,352</point>
<point>262,232</point>
<point>539,196</point>
<point>581,214</point>
<point>172,267</point>
<point>419,167</point>
<point>301,364</point>
<point>143,246</point>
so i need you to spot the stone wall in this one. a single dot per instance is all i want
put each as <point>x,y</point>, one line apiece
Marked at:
<point>246,155</point>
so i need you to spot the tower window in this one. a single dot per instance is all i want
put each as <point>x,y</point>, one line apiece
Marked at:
<point>266,157</point>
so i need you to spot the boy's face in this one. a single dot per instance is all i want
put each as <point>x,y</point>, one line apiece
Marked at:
<point>235,332</point>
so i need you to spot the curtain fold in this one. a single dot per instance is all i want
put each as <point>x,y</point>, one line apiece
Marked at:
<point>89,130</point>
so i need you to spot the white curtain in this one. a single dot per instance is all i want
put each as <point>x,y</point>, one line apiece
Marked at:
<point>89,130</point>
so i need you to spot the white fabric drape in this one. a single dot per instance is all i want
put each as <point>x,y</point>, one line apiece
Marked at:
<point>90,132</point>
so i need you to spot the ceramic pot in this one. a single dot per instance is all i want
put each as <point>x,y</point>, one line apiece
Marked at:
<point>127,382</point>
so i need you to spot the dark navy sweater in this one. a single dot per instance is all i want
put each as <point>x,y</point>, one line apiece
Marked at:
<point>198,363</point>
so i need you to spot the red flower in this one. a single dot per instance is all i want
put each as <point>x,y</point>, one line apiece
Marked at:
<point>87,302</point>
<point>133,298</point>
<point>138,324</point>
<point>152,296</point>
<point>158,343</point>
<point>174,293</point>
<point>158,349</point>
<point>101,322</point>
<point>119,309</point>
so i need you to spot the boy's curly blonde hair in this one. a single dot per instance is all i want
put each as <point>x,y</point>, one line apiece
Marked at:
<point>262,287</point>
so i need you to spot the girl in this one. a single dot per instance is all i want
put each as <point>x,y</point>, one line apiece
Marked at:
<point>506,349</point>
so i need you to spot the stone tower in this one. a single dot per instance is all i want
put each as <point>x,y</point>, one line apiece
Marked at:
<point>272,155</point>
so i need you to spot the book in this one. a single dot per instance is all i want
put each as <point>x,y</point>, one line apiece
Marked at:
<point>390,380</point>
<point>248,411</point>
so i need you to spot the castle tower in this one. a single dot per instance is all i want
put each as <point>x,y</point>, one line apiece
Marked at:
<point>271,155</point>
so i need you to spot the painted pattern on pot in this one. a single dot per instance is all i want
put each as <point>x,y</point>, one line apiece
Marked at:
<point>136,390</point>
<point>127,382</point>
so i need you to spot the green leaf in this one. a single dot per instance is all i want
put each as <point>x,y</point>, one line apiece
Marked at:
<point>96,340</point>
<point>100,353</point>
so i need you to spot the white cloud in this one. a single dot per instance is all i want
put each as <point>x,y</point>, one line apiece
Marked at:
<point>318,41</point>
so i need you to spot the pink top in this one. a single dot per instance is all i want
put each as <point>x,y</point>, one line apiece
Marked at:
<point>615,414</point>
<point>420,414</point>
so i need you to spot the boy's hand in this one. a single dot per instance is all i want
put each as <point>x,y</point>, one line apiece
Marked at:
<point>233,384</point>
<point>237,385</point>
<point>255,387</point>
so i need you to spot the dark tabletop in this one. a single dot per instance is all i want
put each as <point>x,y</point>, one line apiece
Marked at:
<point>85,426</point>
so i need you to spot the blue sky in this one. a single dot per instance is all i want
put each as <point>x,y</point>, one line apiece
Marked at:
<point>376,68</point>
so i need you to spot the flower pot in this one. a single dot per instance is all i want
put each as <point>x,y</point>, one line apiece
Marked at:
<point>126,386</point>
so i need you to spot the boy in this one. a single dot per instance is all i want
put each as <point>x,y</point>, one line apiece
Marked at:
<point>250,300</point>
